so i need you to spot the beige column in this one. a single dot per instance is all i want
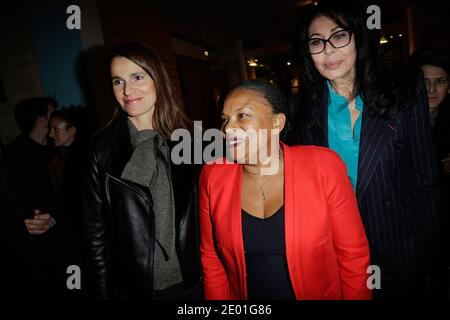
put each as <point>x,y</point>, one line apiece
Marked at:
<point>411,36</point>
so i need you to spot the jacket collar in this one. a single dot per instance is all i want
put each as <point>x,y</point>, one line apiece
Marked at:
<point>374,132</point>
<point>121,148</point>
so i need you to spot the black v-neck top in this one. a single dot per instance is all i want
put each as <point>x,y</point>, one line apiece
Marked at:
<point>265,257</point>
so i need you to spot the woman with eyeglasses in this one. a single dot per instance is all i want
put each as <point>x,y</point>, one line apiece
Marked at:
<point>377,120</point>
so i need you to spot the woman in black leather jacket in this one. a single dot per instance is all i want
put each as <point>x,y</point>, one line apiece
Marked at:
<point>140,208</point>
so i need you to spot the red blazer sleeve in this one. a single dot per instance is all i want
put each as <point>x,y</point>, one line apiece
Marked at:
<point>349,237</point>
<point>215,280</point>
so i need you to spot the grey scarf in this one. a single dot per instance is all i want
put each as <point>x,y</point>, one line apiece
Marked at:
<point>149,166</point>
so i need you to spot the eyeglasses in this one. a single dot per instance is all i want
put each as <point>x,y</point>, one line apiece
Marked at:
<point>339,39</point>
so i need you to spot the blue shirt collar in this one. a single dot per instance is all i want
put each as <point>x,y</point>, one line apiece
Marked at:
<point>338,102</point>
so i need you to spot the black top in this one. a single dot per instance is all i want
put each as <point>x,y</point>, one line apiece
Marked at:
<point>28,177</point>
<point>265,258</point>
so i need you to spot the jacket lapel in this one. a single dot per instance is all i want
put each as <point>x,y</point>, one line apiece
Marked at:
<point>320,132</point>
<point>119,156</point>
<point>374,134</point>
<point>291,225</point>
<point>237,230</point>
<point>121,148</point>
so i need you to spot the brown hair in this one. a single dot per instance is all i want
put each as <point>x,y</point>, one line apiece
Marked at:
<point>168,114</point>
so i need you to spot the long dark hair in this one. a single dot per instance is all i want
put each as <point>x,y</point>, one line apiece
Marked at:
<point>168,114</point>
<point>380,87</point>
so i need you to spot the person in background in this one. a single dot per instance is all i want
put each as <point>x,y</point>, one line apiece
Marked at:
<point>292,233</point>
<point>377,120</point>
<point>29,203</point>
<point>66,167</point>
<point>140,208</point>
<point>64,130</point>
<point>435,66</point>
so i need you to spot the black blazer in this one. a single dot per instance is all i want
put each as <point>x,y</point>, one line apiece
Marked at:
<point>119,220</point>
<point>397,186</point>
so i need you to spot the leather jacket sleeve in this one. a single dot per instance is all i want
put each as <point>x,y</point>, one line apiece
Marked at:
<point>94,228</point>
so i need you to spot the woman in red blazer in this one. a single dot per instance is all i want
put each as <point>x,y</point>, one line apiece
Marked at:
<point>294,233</point>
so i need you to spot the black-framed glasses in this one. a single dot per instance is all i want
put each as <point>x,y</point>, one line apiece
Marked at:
<point>339,39</point>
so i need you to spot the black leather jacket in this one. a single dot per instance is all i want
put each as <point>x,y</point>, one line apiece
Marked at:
<point>119,220</point>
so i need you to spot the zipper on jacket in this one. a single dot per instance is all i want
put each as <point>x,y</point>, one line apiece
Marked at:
<point>129,186</point>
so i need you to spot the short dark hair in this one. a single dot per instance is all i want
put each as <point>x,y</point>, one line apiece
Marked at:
<point>29,110</point>
<point>68,115</point>
<point>432,57</point>
<point>272,95</point>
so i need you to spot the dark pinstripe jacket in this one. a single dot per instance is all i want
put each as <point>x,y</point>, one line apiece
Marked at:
<point>397,187</point>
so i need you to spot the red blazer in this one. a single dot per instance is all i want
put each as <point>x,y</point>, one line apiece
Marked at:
<point>326,246</point>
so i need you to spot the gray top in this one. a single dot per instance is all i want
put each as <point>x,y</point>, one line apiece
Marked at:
<point>149,166</point>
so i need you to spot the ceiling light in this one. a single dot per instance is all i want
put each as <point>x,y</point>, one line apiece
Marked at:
<point>383,40</point>
<point>252,62</point>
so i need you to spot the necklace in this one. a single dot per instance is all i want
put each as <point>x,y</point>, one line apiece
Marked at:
<point>259,185</point>
<point>267,179</point>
